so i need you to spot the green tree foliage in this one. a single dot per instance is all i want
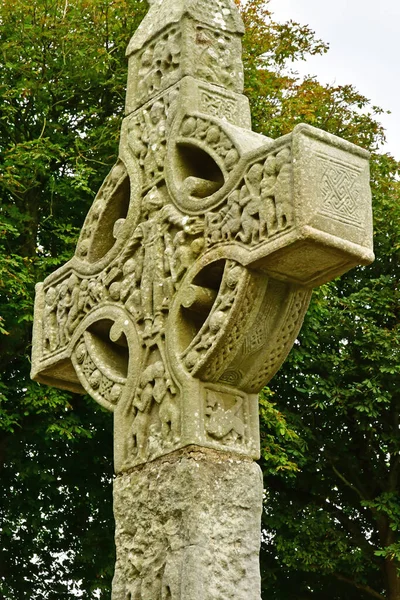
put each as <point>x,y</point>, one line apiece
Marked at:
<point>330,420</point>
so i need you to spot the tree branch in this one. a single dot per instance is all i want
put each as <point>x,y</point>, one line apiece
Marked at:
<point>348,483</point>
<point>394,474</point>
<point>351,527</point>
<point>360,586</point>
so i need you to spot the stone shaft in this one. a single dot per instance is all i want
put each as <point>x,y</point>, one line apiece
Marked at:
<point>188,528</point>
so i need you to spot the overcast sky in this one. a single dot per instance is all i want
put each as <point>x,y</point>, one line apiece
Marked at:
<point>364,40</point>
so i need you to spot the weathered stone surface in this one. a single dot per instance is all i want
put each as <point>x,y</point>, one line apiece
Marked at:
<point>194,270</point>
<point>188,287</point>
<point>188,528</point>
<point>179,38</point>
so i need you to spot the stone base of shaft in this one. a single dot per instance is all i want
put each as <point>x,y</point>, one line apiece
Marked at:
<point>188,528</point>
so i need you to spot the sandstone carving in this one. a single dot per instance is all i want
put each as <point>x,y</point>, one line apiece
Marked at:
<point>193,272</point>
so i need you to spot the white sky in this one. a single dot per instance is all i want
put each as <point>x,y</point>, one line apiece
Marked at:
<point>364,40</point>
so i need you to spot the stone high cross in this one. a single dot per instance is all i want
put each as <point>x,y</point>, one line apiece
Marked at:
<point>188,287</point>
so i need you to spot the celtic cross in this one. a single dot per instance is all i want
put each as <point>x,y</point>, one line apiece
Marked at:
<point>188,287</point>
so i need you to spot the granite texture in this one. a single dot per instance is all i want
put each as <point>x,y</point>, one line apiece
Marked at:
<point>188,528</point>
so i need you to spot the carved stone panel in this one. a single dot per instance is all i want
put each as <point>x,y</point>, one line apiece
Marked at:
<point>188,528</point>
<point>175,41</point>
<point>195,264</point>
<point>341,184</point>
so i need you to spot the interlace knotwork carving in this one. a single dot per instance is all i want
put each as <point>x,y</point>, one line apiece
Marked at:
<point>340,191</point>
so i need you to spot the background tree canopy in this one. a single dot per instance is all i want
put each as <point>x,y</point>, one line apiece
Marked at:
<point>330,420</point>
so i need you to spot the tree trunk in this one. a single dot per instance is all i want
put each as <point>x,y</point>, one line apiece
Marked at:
<point>390,568</point>
<point>392,580</point>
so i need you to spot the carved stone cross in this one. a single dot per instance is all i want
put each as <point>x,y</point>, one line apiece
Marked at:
<point>188,287</point>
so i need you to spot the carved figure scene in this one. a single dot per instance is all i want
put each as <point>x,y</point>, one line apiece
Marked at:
<point>153,565</point>
<point>259,208</point>
<point>147,141</point>
<point>156,415</point>
<point>162,247</point>
<point>215,57</point>
<point>224,417</point>
<point>143,278</point>
<point>159,64</point>
<point>66,304</point>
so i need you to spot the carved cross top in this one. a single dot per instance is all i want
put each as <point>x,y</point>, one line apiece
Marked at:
<point>196,261</point>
